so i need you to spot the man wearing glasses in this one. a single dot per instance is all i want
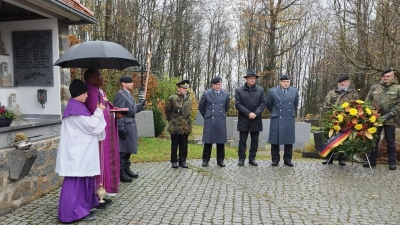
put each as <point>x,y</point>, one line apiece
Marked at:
<point>385,96</point>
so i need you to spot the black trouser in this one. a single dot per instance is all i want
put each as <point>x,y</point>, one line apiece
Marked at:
<point>287,153</point>
<point>253,145</point>
<point>124,160</point>
<point>340,156</point>
<point>391,147</point>
<point>207,152</point>
<point>180,140</point>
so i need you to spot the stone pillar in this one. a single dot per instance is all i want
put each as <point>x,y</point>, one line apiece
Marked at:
<point>63,45</point>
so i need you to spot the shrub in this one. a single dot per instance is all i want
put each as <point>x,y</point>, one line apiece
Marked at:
<point>159,122</point>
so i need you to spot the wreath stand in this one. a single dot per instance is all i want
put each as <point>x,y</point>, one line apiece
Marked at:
<point>352,157</point>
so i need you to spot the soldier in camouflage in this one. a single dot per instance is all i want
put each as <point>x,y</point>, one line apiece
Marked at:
<point>385,96</point>
<point>338,96</point>
<point>178,109</point>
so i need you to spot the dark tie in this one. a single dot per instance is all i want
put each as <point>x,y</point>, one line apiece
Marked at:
<point>284,91</point>
<point>216,93</point>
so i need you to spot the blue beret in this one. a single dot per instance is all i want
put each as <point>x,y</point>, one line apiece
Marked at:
<point>284,77</point>
<point>126,79</point>
<point>216,80</point>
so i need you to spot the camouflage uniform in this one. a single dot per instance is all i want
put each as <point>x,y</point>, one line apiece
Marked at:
<point>336,97</point>
<point>178,111</point>
<point>386,98</point>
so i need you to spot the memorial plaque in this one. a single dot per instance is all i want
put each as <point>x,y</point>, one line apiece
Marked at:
<point>33,58</point>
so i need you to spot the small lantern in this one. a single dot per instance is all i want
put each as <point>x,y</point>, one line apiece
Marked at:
<point>42,96</point>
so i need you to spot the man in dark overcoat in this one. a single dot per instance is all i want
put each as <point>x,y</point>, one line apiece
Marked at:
<point>282,102</point>
<point>127,129</point>
<point>214,104</point>
<point>250,101</point>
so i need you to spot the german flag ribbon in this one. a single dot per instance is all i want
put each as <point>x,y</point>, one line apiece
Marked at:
<point>334,141</point>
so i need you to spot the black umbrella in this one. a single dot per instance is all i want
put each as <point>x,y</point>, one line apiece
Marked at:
<point>97,55</point>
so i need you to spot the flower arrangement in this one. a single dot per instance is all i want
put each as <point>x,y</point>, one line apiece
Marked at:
<point>358,118</point>
<point>6,113</point>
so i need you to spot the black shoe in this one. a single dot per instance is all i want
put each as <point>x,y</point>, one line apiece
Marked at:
<point>124,177</point>
<point>367,165</point>
<point>274,163</point>
<point>342,162</point>
<point>132,174</point>
<point>89,217</point>
<point>289,164</point>
<point>221,164</point>
<point>174,165</point>
<point>183,165</point>
<point>107,201</point>
<point>241,163</point>
<point>328,162</point>
<point>253,162</point>
<point>204,164</point>
<point>101,206</point>
<point>392,167</point>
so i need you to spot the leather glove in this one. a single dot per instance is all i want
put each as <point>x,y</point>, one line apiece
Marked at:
<point>122,134</point>
<point>144,103</point>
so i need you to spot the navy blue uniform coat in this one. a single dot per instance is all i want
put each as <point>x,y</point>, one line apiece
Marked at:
<point>283,112</point>
<point>214,109</point>
<point>124,99</point>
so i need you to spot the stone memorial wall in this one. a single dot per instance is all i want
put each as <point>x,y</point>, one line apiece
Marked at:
<point>33,58</point>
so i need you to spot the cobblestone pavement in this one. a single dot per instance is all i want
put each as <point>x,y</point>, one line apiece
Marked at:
<point>308,193</point>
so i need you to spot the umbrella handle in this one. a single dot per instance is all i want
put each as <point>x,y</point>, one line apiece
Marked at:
<point>148,73</point>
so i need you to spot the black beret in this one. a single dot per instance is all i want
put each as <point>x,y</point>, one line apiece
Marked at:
<point>388,70</point>
<point>183,84</point>
<point>77,87</point>
<point>251,73</point>
<point>343,78</point>
<point>216,80</point>
<point>126,79</point>
<point>284,77</point>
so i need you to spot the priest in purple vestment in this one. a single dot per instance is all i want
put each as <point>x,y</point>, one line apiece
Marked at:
<point>76,157</point>
<point>109,147</point>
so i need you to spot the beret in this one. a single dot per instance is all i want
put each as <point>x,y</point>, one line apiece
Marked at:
<point>77,87</point>
<point>388,70</point>
<point>343,78</point>
<point>126,79</point>
<point>183,83</point>
<point>216,80</point>
<point>284,77</point>
<point>251,73</point>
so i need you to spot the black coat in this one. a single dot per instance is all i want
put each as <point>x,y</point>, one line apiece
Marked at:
<point>249,100</point>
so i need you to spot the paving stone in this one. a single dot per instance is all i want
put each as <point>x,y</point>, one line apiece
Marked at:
<point>308,193</point>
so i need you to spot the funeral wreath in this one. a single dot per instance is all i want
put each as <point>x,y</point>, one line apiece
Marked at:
<point>350,128</point>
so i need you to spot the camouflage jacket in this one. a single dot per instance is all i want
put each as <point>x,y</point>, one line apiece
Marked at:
<point>335,97</point>
<point>178,110</point>
<point>386,98</point>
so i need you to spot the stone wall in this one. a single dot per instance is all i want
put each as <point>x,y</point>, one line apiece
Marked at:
<point>40,180</point>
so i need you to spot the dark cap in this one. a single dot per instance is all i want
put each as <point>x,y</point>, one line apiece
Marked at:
<point>126,79</point>
<point>216,80</point>
<point>343,78</point>
<point>284,77</point>
<point>251,73</point>
<point>183,84</point>
<point>388,70</point>
<point>77,87</point>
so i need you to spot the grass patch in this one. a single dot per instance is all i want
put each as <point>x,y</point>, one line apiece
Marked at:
<point>159,150</point>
